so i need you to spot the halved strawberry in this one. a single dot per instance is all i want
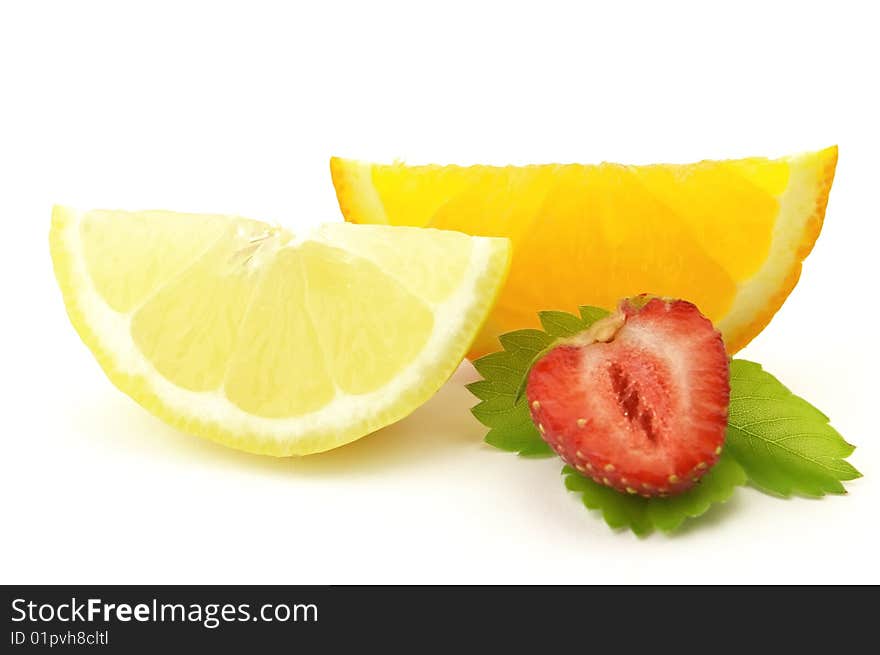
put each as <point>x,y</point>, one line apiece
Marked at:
<point>637,402</point>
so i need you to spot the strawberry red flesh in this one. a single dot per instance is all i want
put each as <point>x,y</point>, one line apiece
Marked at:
<point>639,401</point>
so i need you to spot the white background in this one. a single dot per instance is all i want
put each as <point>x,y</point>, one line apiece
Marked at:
<point>237,108</point>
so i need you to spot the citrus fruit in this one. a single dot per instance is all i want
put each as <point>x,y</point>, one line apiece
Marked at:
<point>237,331</point>
<point>728,236</point>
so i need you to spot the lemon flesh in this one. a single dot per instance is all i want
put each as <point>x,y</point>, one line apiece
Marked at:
<point>237,331</point>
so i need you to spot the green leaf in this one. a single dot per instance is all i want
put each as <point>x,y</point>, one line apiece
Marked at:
<point>643,515</point>
<point>590,315</point>
<point>524,347</point>
<point>502,406</point>
<point>518,434</point>
<point>494,412</point>
<point>500,371</point>
<point>485,389</point>
<point>784,444</point>
<point>512,429</point>
<point>531,340</point>
<point>560,324</point>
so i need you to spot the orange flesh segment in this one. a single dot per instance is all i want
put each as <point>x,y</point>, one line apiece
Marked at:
<point>727,235</point>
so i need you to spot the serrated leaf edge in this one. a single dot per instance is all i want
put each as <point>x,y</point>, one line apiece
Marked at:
<point>836,479</point>
<point>493,366</point>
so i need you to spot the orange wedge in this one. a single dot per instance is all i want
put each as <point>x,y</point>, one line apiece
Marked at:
<point>729,236</point>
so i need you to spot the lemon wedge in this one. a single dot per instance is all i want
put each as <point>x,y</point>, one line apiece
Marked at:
<point>237,331</point>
